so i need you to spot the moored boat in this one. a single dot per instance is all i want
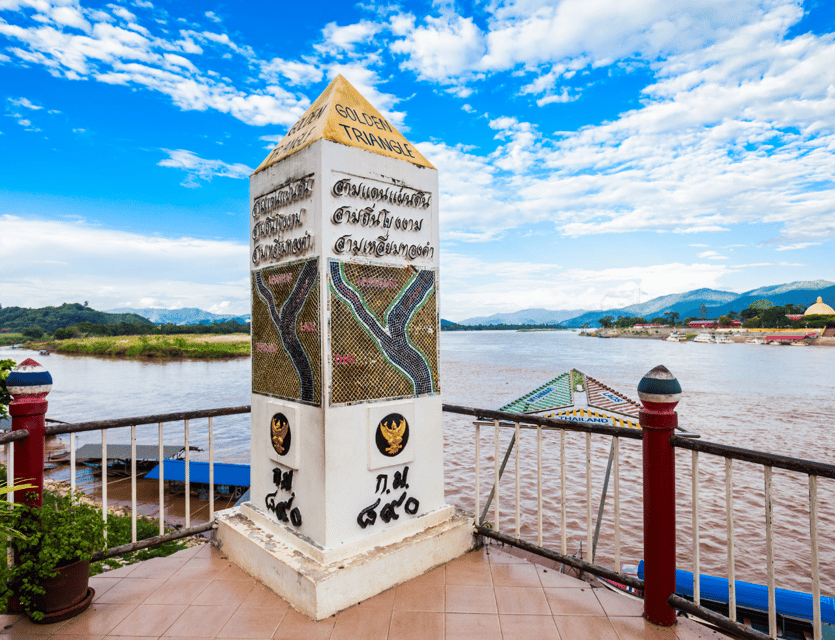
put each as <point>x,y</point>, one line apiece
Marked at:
<point>794,608</point>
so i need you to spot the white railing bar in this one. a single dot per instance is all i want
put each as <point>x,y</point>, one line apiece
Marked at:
<point>10,479</point>
<point>769,552</point>
<point>539,486</point>
<point>564,546</point>
<point>104,477</point>
<point>496,460</point>
<point>817,629</point>
<point>588,499</point>
<point>695,509</point>
<point>616,442</point>
<point>517,482</point>
<point>161,484</point>
<point>72,462</point>
<point>188,480</point>
<point>133,483</point>
<point>729,500</point>
<point>478,472</point>
<point>211,471</point>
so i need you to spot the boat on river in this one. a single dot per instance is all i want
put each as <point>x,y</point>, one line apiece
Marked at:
<point>703,337</point>
<point>675,336</point>
<point>794,608</point>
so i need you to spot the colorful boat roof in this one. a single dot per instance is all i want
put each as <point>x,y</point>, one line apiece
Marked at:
<point>578,397</point>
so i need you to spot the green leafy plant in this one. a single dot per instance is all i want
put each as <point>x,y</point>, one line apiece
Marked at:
<point>5,398</point>
<point>64,530</point>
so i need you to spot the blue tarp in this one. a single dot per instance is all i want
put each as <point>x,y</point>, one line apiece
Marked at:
<point>793,604</point>
<point>235,475</point>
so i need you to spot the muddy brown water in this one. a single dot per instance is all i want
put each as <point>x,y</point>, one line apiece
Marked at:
<point>768,398</point>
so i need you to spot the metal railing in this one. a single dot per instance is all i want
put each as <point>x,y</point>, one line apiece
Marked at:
<point>517,423</point>
<point>812,470</point>
<point>160,420</point>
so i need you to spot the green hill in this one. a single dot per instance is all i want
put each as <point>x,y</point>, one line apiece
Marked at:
<point>15,319</point>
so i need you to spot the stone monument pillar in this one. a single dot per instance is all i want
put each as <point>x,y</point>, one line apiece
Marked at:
<point>347,495</point>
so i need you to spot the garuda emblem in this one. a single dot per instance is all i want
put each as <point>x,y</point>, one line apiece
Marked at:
<point>392,434</point>
<point>280,433</point>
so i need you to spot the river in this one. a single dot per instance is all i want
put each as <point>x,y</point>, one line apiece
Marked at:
<point>769,398</point>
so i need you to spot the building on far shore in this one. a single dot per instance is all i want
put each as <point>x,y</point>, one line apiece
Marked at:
<point>820,308</point>
<point>709,324</point>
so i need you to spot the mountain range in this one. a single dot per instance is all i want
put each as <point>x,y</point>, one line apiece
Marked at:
<point>188,315</point>
<point>686,304</point>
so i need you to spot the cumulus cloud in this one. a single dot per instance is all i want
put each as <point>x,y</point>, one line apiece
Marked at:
<point>78,43</point>
<point>200,169</point>
<point>108,267</point>
<point>510,286</point>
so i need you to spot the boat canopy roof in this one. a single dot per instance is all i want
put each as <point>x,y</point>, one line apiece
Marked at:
<point>147,452</point>
<point>578,397</point>
<point>236,475</point>
<point>791,604</point>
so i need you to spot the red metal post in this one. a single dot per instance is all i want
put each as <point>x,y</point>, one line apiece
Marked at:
<point>29,383</point>
<point>659,392</point>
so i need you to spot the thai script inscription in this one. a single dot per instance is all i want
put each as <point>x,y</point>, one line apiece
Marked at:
<point>277,224</point>
<point>283,196</point>
<point>283,510</point>
<point>388,512</point>
<point>404,196</point>
<point>278,249</point>
<point>381,246</point>
<point>367,217</point>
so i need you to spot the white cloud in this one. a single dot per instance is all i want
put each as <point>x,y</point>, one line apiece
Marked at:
<point>345,39</point>
<point>199,168</point>
<point>130,55</point>
<point>511,286</point>
<point>291,71</point>
<point>211,15</point>
<point>25,103</point>
<point>712,255</point>
<point>108,267</point>
<point>797,245</point>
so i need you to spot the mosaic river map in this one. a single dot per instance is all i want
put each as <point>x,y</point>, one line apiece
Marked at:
<point>384,340</point>
<point>286,352</point>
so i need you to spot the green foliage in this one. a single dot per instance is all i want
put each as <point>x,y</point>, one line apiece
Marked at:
<point>52,318</point>
<point>5,398</point>
<point>761,305</point>
<point>64,334</point>
<point>673,317</point>
<point>33,332</point>
<point>119,533</point>
<point>153,347</point>
<point>606,321</point>
<point>7,339</point>
<point>64,530</point>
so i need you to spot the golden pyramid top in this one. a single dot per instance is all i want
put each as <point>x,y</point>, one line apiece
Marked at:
<point>342,115</point>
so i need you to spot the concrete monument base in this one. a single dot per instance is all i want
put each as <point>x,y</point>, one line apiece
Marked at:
<point>320,582</point>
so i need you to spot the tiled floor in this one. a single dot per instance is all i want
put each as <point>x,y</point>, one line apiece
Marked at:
<point>485,595</point>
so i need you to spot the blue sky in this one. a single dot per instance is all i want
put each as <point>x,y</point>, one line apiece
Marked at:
<point>591,152</point>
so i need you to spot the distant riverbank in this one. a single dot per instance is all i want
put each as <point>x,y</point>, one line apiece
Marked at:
<point>209,346</point>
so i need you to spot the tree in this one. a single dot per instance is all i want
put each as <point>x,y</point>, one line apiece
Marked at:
<point>724,321</point>
<point>606,321</point>
<point>673,317</point>
<point>762,305</point>
<point>34,332</point>
<point>703,311</point>
<point>5,398</point>
<point>733,315</point>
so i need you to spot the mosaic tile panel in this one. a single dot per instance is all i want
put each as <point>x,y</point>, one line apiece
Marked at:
<point>286,338</point>
<point>383,328</point>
